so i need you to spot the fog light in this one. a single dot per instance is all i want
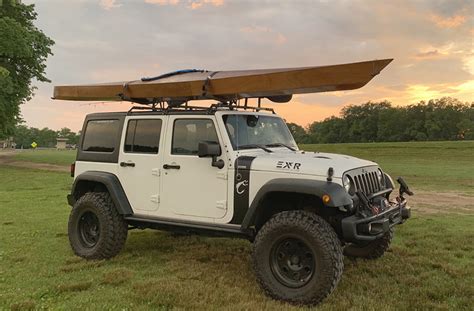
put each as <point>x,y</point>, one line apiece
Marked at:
<point>326,199</point>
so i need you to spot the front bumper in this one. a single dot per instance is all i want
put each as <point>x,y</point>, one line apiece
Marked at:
<point>357,229</point>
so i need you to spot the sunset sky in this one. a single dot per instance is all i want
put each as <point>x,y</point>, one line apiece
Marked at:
<point>99,41</point>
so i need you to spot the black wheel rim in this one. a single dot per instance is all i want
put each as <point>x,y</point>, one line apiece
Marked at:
<point>292,262</point>
<point>89,229</point>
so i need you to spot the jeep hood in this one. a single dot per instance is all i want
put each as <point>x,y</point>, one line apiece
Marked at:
<point>308,163</point>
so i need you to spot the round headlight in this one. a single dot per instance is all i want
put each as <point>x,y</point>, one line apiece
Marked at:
<point>346,182</point>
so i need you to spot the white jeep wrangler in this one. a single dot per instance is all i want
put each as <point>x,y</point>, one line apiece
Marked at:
<point>231,171</point>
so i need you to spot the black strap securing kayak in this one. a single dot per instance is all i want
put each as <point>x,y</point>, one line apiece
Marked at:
<point>170,74</point>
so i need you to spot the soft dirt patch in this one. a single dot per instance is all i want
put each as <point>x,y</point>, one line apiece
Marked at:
<point>442,202</point>
<point>7,158</point>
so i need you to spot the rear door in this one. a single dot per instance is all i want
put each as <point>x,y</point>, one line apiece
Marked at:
<point>139,162</point>
<point>191,186</point>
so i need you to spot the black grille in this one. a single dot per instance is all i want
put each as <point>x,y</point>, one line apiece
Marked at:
<point>367,182</point>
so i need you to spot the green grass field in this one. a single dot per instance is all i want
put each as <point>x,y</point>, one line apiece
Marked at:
<point>50,156</point>
<point>428,165</point>
<point>429,266</point>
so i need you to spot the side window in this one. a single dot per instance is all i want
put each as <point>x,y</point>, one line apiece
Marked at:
<point>143,136</point>
<point>187,133</point>
<point>100,135</point>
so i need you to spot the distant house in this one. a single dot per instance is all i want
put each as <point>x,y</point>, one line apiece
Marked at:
<point>61,143</point>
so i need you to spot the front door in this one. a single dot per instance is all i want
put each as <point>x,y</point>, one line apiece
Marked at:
<point>190,185</point>
<point>140,160</point>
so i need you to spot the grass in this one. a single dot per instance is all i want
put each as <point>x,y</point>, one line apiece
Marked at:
<point>429,265</point>
<point>50,156</point>
<point>435,166</point>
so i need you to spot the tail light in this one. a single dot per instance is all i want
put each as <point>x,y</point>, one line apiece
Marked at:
<point>73,168</point>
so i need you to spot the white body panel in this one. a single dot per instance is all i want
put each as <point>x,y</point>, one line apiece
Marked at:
<point>196,189</point>
<point>141,183</point>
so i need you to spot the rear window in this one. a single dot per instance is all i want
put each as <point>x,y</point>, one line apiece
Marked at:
<point>101,135</point>
<point>143,136</point>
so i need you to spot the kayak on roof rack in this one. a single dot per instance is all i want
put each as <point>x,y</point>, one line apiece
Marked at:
<point>278,85</point>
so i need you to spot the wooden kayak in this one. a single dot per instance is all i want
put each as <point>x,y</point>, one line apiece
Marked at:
<point>276,84</point>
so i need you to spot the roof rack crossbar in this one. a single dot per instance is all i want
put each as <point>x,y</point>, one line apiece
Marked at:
<point>156,105</point>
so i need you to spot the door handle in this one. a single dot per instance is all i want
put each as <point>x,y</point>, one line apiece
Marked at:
<point>170,166</point>
<point>124,164</point>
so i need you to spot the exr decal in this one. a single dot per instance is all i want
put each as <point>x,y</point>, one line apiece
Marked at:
<point>288,165</point>
<point>240,187</point>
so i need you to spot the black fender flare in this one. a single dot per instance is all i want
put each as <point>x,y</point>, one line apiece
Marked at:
<point>111,183</point>
<point>338,195</point>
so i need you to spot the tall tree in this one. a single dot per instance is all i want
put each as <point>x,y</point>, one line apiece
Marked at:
<point>298,132</point>
<point>23,53</point>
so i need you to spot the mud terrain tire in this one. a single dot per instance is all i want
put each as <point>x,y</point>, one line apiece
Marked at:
<point>276,257</point>
<point>96,230</point>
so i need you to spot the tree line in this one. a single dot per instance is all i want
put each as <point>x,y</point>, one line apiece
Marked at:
<point>23,53</point>
<point>45,137</point>
<point>438,119</point>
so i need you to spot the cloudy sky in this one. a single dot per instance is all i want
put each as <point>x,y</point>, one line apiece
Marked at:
<point>114,40</point>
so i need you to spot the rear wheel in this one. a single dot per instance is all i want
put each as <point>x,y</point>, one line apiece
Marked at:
<point>96,230</point>
<point>371,250</point>
<point>297,257</point>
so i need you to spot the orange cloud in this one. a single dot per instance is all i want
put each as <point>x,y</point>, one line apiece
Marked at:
<point>192,4</point>
<point>468,63</point>
<point>163,2</point>
<point>196,4</point>
<point>255,29</point>
<point>448,22</point>
<point>303,114</point>
<point>109,4</point>
<point>258,31</point>
<point>430,52</point>
<point>428,55</point>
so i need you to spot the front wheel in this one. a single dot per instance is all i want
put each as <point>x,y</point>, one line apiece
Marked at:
<point>96,230</point>
<point>297,257</point>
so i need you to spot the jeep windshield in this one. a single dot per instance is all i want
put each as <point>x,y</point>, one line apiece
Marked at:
<point>257,131</point>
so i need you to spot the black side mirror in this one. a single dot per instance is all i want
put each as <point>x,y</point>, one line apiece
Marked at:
<point>213,150</point>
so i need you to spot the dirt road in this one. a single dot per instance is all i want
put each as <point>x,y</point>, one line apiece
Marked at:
<point>7,158</point>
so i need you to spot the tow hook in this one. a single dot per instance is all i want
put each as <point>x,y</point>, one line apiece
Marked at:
<point>404,188</point>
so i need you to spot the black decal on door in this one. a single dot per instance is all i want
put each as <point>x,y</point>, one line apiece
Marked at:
<point>241,188</point>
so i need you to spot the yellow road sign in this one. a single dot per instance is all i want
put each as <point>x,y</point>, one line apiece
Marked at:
<point>34,144</point>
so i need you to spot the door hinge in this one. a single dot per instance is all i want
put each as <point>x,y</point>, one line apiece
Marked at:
<point>156,172</point>
<point>155,198</point>
<point>221,204</point>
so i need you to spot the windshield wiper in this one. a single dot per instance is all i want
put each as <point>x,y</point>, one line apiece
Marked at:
<point>280,145</point>
<point>254,146</point>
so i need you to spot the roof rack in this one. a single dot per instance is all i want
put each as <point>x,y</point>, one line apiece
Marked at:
<point>165,108</point>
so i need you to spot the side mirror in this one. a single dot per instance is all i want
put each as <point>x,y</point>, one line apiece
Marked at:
<point>213,150</point>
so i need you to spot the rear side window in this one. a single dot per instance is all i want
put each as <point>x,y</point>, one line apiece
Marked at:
<point>101,135</point>
<point>188,133</point>
<point>143,136</point>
